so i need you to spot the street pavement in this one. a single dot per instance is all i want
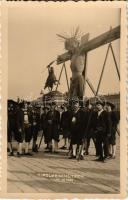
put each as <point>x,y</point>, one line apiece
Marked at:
<point>55,173</point>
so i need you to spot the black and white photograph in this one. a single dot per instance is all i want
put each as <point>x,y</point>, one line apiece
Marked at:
<point>63,101</point>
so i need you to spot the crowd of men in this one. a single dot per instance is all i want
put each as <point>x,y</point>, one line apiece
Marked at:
<point>77,123</point>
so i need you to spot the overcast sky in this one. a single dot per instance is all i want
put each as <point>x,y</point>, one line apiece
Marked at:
<point>33,44</point>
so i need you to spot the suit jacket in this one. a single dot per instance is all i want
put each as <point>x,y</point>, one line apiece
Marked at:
<point>11,119</point>
<point>54,116</point>
<point>43,121</point>
<point>103,123</point>
<point>34,119</point>
<point>65,120</point>
<point>114,120</point>
<point>79,125</point>
<point>19,117</point>
<point>53,121</point>
<point>89,119</point>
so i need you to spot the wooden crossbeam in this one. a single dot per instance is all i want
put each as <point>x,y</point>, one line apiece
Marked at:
<point>102,39</point>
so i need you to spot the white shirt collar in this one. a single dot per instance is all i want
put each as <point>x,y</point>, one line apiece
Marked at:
<point>99,112</point>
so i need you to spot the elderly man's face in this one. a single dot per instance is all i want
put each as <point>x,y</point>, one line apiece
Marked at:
<point>75,106</point>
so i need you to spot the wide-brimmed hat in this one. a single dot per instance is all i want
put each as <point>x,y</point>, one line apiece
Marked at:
<point>100,102</point>
<point>110,104</point>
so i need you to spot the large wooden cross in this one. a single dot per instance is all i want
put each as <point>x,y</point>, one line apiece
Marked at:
<point>102,39</point>
<point>92,44</point>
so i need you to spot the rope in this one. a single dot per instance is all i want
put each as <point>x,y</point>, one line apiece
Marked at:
<point>117,69</point>
<point>102,70</point>
<point>66,77</point>
<point>59,77</point>
<point>91,86</point>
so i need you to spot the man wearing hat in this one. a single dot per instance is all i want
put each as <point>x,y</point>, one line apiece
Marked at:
<point>19,125</point>
<point>89,120</point>
<point>115,120</point>
<point>24,132</point>
<point>44,125</point>
<point>65,126</point>
<point>53,121</point>
<point>102,129</point>
<point>34,116</point>
<point>77,129</point>
<point>11,125</point>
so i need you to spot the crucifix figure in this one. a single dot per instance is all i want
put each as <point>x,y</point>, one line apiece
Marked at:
<point>77,65</point>
<point>76,53</point>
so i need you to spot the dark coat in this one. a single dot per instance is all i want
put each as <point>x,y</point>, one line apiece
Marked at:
<point>11,124</point>
<point>89,120</point>
<point>102,123</point>
<point>34,119</point>
<point>19,125</point>
<point>53,123</point>
<point>15,119</point>
<point>77,127</point>
<point>11,120</point>
<point>65,120</point>
<point>19,119</point>
<point>114,121</point>
<point>43,121</point>
<point>65,123</point>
